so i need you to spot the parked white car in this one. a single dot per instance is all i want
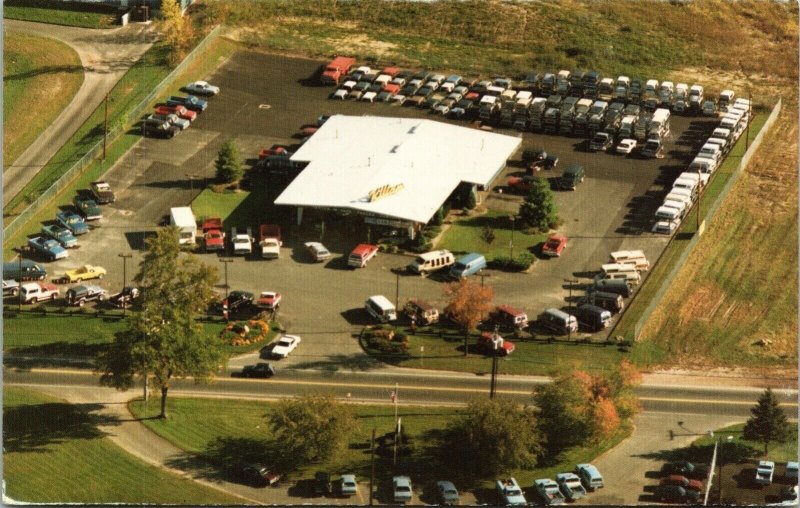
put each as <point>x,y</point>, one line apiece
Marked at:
<point>626,146</point>
<point>369,97</point>
<point>285,345</point>
<point>202,88</point>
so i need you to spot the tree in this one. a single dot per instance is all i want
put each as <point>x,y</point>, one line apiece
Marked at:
<point>176,31</point>
<point>164,341</point>
<point>311,428</point>
<point>768,423</point>
<point>229,163</point>
<point>539,208</point>
<point>468,301</point>
<point>470,202</point>
<point>493,436</point>
<point>438,217</point>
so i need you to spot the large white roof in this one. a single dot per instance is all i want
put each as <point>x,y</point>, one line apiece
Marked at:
<point>421,162</point>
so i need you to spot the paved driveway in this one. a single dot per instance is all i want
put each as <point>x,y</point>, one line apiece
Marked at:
<point>105,55</point>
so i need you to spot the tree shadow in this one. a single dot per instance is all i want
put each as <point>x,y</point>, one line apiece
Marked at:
<point>221,458</point>
<point>335,363</point>
<point>40,71</point>
<point>54,354</point>
<point>33,427</point>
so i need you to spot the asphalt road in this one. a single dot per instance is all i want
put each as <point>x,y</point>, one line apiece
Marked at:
<point>423,388</point>
<point>105,55</point>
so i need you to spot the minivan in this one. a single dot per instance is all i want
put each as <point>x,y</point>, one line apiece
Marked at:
<point>610,301</point>
<point>700,178</point>
<point>380,308</point>
<point>558,321</point>
<point>725,134</point>
<point>681,195</point>
<point>669,211</point>
<point>593,317</point>
<point>421,312</point>
<point>431,261</point>
<point>631,257</point>
<point>710,151</point>
<point>620,287</point>
<point>590,476</point>
<point>702,165</point>
<point>687,183</point>
<point>573,175</point>
<point>632,276</point>
<point>24,270</point>
<point>468,265</point>
<point>508,317</point>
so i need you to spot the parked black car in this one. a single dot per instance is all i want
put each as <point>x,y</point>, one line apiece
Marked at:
<point>322,483</point>
<point>260,370</point>
<point>676,494</point>
<point>256,475</point>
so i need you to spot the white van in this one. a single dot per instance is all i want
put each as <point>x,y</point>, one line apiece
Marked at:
<point>670,211</point>
<point>722,143</point>
<point>710,151</point>
<point>725,134</point>
<point>617,267</point>
<point>683,193</point>
<point>702,178</point>
<point>730,124</point>
<point>631,277</point>
<point>183,218</point>
<point>431,262</point>
<point>679,196</point>
<point>703,165</point>
<point>726,98</point>
<point>631,257</point>
<point>381,308</point>
<point>684,183</point>
<point>679,205</point>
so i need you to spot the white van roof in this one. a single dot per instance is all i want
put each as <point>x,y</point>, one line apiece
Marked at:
<point>381,301</point>
<point>435,254</point>
<point>697,87</point>
<point>719,131</point>
<point>678,196</point>
<point>688,175</point>
<point>683,182</point>
<point>618,267</point>
<point>627,254</point>
<point>717,141</point>
<point>727,94</point>
<point>709,146</point>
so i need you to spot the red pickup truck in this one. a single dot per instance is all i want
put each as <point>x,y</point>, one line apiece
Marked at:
<point>486,344</point>
<point>213,234</point>
<point>275,150</point>
<point>180,111</point>
<point>338,67</point>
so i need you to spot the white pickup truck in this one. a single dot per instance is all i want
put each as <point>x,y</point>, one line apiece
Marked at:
<point>764,472</point>
<point>242,242</point>
<point>549,492</point>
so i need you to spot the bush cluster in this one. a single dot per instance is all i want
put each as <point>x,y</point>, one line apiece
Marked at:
<point>386,340</point>
<point>515,264</point>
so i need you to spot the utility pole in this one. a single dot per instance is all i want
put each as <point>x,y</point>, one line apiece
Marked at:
<point>226,261</point>
<point>495,350</point>
<point>105,128</point>
<point>511,243</point>
<point>125,258</point>
<point>569,303</point>
<point>397,291</point>
<point>372,465</point>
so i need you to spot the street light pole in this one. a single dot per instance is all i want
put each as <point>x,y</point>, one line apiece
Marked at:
<point>226,261</point>
<point>495,349</point>
<point>569,303</point>
<point>397,291</point>
<point>699,195</point>
<point>105,128</point>
<point>125,258</point>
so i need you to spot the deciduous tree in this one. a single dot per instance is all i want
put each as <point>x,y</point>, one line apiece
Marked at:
<point>176,30</point>
<point>312,428</point>
<point>539,208</point>
<point>164,341</point>
<point>768,423</point>
<point>468,301</point>
<point>493,436</point>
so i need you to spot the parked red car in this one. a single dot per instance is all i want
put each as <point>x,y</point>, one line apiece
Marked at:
<point>275,150</point>
<point>180,111</point>
<point>682,481</point>
<point>554,245</point>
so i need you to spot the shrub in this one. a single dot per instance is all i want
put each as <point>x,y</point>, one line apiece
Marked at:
<point>515,264</point>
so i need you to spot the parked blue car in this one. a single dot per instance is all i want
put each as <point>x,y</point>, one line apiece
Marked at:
<point>190,102</point>
<point>60,234</point>
<point>73,222</point>
<point>48,247</point>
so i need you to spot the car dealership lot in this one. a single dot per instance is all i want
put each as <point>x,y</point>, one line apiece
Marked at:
<point>263,102</point>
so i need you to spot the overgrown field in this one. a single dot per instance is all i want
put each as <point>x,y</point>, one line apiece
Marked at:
<point>735,300</point>
<point>54,452</point>
<point>644,39</point>
<point>40,77</point>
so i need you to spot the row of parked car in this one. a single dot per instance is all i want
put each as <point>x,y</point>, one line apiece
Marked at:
<point>686,189</point>
<point>566,487</point>
<point>177,113</point>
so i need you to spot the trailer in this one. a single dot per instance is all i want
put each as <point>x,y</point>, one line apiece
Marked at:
<point>183,218</point>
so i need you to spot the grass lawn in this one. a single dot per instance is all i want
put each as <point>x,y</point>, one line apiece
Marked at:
<point>44,438</point>
<point>214,430</point>
<point>51,12</point>
<point>132,88</point>
<point>83,335</point>
<point>427,350</point>
<point>244,208</point>
<point>467,235</point>
<point>778,452</point>
<point>40,77</point>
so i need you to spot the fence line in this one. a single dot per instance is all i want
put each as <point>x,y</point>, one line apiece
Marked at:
<point>712,209</point>
<point>113,133</point>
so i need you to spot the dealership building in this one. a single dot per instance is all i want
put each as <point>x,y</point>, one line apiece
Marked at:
<point>394,172</point>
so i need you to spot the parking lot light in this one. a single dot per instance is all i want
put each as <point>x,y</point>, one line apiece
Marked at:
<point>511,242</point>
<point>125,258</point>
<point>226,261</point>
<point>570,282</point>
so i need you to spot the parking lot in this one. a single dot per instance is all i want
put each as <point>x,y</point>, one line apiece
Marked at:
<point>265,100</point>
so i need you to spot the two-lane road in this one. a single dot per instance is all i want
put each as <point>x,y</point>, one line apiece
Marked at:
<point>420,387</point>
